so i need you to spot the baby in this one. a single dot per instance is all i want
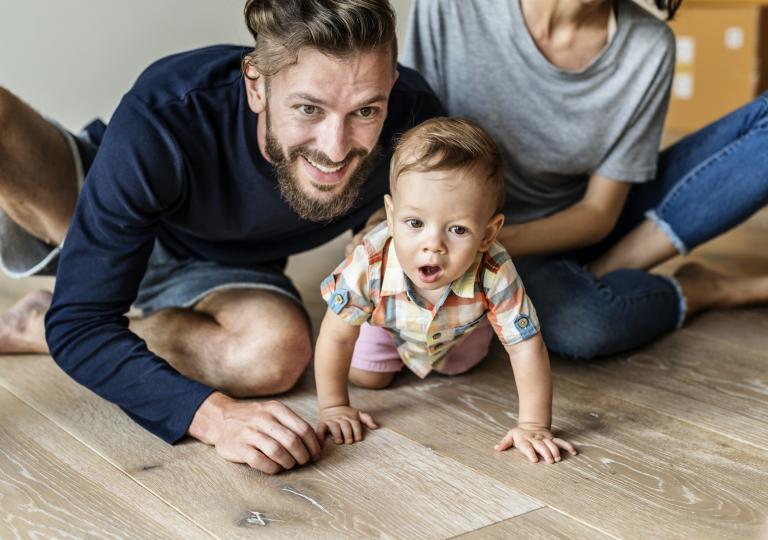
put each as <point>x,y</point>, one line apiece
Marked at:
<point>429,287</point>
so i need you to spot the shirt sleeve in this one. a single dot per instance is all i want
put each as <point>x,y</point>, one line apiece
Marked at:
<point>510,311</point>
<point>137,176</point>
<point>347,290</point>
<point>634,156</point>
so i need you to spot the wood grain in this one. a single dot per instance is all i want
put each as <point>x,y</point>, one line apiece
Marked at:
<point>386,486</point>
<point>52,486</point>
<point>543,524</point>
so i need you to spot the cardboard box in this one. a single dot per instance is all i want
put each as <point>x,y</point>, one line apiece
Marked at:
<point>722,60</point>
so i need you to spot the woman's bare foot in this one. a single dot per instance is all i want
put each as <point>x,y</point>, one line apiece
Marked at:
<point>22,328</point>
<point>704,288</point>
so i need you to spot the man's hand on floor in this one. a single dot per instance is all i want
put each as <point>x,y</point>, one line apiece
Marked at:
<point>266,435</point>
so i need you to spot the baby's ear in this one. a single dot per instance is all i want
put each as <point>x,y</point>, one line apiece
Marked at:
<point>491,231</point>
<point>389,208</point>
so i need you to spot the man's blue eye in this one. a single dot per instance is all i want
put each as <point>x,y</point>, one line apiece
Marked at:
<point>308,109</point>
<point>367,112</point>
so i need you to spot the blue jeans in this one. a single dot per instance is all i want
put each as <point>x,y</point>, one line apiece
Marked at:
<point>706,184</point>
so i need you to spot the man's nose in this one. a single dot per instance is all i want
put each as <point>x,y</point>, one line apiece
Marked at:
<point>335,140</point>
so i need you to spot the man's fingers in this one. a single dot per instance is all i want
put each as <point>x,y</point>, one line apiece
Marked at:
<point>295,423</point>
<point>368,420</point>
<point>565,445</point>
<point>288,440</point>
<point>256,460</point>
<point>271,448</point>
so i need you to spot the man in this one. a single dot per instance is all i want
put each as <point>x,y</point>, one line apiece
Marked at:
<point>206,179</point>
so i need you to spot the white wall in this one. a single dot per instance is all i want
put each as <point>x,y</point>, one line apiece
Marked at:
<point>74,59</point>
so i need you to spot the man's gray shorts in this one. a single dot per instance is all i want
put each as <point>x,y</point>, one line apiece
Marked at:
<point>170,281</point>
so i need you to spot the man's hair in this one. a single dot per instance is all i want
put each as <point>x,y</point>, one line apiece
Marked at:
<point>281,28</point>
<point>442,144</point>
<point>670,6</point>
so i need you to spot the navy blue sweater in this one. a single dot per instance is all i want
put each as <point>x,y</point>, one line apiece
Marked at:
<point>180,162</point>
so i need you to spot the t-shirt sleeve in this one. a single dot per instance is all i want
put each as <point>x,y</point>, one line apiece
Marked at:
<point>137,176</point>
<point>347,289</point>
<point>634,155</point>
<point>510,311</point>
<point>422,44</point>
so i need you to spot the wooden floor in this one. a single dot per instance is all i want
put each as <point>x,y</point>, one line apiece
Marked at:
<point>672,439</point>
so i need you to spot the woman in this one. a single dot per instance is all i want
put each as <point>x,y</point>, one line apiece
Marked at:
<point>575,92</point>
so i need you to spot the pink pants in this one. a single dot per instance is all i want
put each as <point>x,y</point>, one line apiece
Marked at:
<point>375,350</point>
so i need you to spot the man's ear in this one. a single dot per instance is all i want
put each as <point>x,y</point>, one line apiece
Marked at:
<point>255,88</point>
<point>389,208</point>
<point>491,231</point>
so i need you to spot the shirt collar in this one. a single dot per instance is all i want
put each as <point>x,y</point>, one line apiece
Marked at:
<point>394,281</point>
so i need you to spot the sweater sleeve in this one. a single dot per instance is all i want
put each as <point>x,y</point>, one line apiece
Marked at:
<point>138,176</point>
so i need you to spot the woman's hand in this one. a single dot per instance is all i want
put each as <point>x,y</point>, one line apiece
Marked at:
<point>535,441</point>
<point>344,423</point>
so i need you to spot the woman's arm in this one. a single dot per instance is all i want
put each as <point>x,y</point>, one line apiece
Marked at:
<point>583,224</point>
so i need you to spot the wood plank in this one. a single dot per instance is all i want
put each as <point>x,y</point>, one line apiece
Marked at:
<point>701,380</point>
<point>543,524</point>
<point>678,481</point>
<point>387,486</point>
<point>746,327</point>
<point>52,486</point>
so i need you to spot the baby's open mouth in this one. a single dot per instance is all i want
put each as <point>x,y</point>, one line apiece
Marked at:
<point>430,273</point>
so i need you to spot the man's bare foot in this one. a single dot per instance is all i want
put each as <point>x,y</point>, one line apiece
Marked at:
<point>704,288</point>
<point>22,328</point>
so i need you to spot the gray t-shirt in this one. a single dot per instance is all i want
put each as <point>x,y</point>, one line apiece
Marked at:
<point>556,128</point>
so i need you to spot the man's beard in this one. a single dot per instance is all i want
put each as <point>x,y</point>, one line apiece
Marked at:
<point>304,204</point>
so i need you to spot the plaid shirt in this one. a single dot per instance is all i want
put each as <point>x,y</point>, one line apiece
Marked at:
<point>370,286</point>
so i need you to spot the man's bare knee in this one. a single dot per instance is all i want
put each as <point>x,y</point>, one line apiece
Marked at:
<point>371,380</point>
<point>265,365</point>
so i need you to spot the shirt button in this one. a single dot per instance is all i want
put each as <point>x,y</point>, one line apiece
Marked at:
<point>522,323</point>
<point>338,299</point>
<point>437,335</point>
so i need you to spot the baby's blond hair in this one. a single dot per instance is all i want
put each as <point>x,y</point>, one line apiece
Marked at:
<point>448,144</point>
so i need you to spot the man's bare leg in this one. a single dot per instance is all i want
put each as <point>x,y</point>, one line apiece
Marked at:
<point>647,246</point>
<point>245,342</point>
<point>38,190</point>
<point>38,179</point>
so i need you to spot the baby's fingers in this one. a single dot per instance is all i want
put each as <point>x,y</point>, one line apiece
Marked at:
<point>368,420</point>
<point>346,429</point>
<point>527,449</point>
<point>553,449</point>
<point>543,450</point>
<point>335,430</point>
<point>565,445</point>
<point>506,443</point>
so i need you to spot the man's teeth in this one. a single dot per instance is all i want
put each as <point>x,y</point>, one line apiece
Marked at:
<point>323,169</point>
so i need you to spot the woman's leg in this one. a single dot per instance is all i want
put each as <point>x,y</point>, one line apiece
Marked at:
<point>707,184</point>
<point>583,317</point>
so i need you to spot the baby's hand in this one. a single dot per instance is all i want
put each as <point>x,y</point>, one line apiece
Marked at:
<point>533,440</point>
<point>344,423</point>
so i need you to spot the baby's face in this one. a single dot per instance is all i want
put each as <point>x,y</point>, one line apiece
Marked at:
<point>439,220</point>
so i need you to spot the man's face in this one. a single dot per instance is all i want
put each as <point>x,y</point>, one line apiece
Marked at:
<point>321,124</point>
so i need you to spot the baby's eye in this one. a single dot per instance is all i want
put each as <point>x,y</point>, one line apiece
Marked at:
<point>309,110</point>
<point>458,230</point>
<point>414,223</point>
